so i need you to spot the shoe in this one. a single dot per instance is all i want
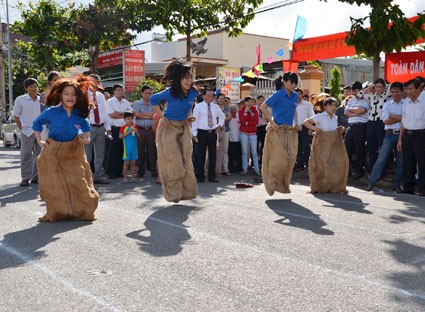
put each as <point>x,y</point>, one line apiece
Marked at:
<point>244,173</point>
<point>101,181</point>
<point>140,175</point>
<point>369,188</point>
<point>357,176</point>
<point>213,180</point>
<point>158,182</point>
<point>125,180</point>
<point>398,189</point>
<point>24,183</point>
<point>298,169</point>
<point>407,191</point>
<point>227,173</point>
<point>34,181</point>
<point>258,174</point>
<point>421,193</point>
<point>133,180</point>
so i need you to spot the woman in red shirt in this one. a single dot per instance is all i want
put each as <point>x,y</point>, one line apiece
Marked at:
<point>248,118</point>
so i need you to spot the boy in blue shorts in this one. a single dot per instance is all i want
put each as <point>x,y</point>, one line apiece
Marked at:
<point>128,133</point>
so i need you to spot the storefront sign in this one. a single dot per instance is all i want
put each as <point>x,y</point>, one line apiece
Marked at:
<point>109,59</point>
<point>134,69</point>
<point>227,84</point>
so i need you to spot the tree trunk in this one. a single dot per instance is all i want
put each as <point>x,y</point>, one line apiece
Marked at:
<point>376,66</point>
<point>188,33</point>
<point>94,58</point>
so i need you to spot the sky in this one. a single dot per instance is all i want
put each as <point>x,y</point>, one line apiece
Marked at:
<point>323,18</point>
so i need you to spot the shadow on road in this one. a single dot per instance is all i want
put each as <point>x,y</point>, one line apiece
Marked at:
<point>411,279</point>
<point>13,193</point>
<point>24,246</point>
<point>298,216</point>
<point>344,202</point>
<point>164,233</point>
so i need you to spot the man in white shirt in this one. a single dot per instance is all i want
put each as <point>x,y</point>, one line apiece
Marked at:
<point>391,116</point>
<point>116,107</point>
<point>99,123</point>
<point>209,121</point>
<point>412,138</point>
<point>26,109</point>
<point>304,112</point>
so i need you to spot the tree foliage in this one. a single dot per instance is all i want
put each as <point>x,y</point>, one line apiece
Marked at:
<point>197,17</point>
<point>335,82</point>
<point>389,30</point>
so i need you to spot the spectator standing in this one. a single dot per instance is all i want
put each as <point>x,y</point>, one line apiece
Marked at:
<point>116,107</point>
<point>144,111</point>
<point>355,139</point>
<point>304,111</point>
<point>340,111</point>
<point>412,138</point>
<point>128,134</point>
<point>391,116</point>
<point>208,123</point>
<point>248,118</point>
<point>222,161</point>
<point>99,126</point>
<point>235,150</point>
<point>26,109</point>
<point>261,129</point>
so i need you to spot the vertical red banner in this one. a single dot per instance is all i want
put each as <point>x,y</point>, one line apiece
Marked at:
<point>134,69</point>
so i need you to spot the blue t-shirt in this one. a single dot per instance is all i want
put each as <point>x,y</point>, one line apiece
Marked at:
<point>61,127</point>
<point>283,107</point>
<point>177,108</point>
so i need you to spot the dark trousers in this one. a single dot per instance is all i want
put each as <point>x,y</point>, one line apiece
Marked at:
<point>303,148</point>
<point>206,140</point>
<point>261,135</point>
<point>115,154</point>
<point>413,151</point>
<point>146,147</point>
<point>375,137</point>
<point>235,157</point>
<point>355,140</point>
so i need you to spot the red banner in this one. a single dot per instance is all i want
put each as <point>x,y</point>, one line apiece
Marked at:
<point>289,65</point>
<point>404,66</point>
<point>108,59</point>
<point>134,69</point>
<point>324,47</point>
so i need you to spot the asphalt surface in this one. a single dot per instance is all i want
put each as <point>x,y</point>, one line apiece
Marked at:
<point>228,250</point>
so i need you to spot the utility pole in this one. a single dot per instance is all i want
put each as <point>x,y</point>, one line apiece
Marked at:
<point>9,59</point>
<point>2,87</point>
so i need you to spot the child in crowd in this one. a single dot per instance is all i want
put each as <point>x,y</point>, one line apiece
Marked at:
<point>128,133</point>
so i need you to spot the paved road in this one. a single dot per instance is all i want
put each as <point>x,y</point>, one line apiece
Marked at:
<point>228,250</point>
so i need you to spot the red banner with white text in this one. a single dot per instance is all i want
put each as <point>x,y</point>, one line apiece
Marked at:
<point>134,69</point>
<point>404,66</point>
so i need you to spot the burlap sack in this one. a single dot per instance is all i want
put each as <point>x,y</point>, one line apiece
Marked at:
<point>328,164</point>
<point>175,160</point>
<point>279,157</point>
<point>65,182</point>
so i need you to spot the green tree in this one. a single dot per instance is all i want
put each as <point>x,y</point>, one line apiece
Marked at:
<point>335,82</point>
<point>389,30</point>
<point>50,28</point>
<point>155,85</point>
<point>197,17</point>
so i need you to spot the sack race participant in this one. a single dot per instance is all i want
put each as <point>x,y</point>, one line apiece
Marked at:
<point>174,137</point>
<point>281,143</point>
<point>65,178</point>
<point>328,163</point>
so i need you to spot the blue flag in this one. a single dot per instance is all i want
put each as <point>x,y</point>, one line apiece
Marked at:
<point>300,28</point>
<point>280,52</point>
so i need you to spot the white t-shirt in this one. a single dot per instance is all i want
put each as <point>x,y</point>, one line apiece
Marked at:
<point>113,105</point>
<point>325,122</point>
<point>27,110</point>
<point>304,111</point>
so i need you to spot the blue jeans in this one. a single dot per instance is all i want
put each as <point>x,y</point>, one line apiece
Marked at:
<point>252,141</point>
<point>390,142</point>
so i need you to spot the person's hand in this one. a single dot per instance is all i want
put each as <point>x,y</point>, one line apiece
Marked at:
<point>399,146</point>
<point>299,128</point>
<point>341,129</point>
<point>317,130</point>
<point>43,144</point>
<point>195,139</point>
<point>83,139</point>
<point>274,125</point>
<point>218,130</point>
<point>109,132</point>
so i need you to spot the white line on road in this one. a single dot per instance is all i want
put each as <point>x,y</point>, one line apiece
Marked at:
<point>67,284</point>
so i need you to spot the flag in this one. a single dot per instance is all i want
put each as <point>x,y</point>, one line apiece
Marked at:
<point>270,60</point>
<point>259,68</point>
<point>227,86</point>
<point>300,28</point>
<point>239,79</point>
<point>280,52</point>
<point>289,65</point>
<point>250,74</point>
<point>258,50</point>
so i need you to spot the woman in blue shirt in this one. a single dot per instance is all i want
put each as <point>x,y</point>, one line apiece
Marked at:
<point>174,138</point>
<point>65,178</point>
<point>281,143</point>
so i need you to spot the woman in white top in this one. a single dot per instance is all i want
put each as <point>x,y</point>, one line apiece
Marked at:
<point>328,163</point>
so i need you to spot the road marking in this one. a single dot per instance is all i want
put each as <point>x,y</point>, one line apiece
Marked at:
<point>342,275</point>
<point>67,284</point>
